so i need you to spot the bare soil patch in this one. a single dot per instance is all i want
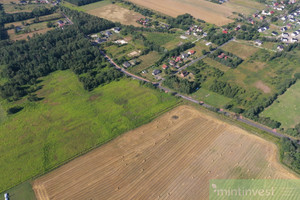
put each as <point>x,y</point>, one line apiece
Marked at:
<point>173,157</point>
<point>260,85</point>
<point>117,14</point>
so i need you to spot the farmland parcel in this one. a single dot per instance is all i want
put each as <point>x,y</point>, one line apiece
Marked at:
<point>172,157</point>
<point>69,121</point>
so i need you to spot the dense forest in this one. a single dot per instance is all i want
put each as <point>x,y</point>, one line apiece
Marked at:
<point>290,153</point>
<point>81,2</point>
<point>59,49</point>
<point>3,32</point>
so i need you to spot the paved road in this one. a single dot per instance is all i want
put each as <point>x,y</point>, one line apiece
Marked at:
<point>202,57</point>
<point>261,127</point>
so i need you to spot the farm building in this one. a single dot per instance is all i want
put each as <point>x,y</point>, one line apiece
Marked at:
<point>126,64</point>
<point>156,72</point>
<point>258,42</point>
<point>184,74</point>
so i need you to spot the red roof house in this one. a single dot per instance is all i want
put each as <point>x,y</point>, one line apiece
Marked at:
<point>165,66</point>
<point>178,59</point>
<point>191,52</point>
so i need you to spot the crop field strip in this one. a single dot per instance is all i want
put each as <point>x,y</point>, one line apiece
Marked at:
<point>165,158</point>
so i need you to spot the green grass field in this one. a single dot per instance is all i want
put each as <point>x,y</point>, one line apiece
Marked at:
<point>241,50</point>
<point>146,61</point>
<point>14,8</point>
<point>286,109</point>
<point>70,121</point>
<point>265,76</point>
<point>211,98</point>
<point>161,38</point>
<point>21,192</point>
<point>216,64</point>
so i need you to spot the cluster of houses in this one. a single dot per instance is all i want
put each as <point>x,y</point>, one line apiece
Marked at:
<point>194,30</point>
<point>285,37</point>
<point>105,35</point>
<point>56,2</point>
<point>174,62</point>
<point>262,15</point>
<point>278,6</point>
<point>262,29</point>
<point>144,21</point>
<point>223,56</point>
<point>177,59</point>
<point>291,17</point>
<point>130,63</point>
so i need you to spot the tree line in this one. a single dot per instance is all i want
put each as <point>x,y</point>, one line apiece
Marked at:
<point>82,2</point>
<point>20,16</point>
<point>3,32</point>
<point>290,153</point>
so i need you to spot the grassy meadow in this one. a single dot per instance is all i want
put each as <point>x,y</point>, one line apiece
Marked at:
<point>69,121</point>
<point>211,98</point>
<point>286,109</point>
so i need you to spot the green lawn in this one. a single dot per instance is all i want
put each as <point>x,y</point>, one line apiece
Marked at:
<point>286,109</point>
<point>211,98</point>
<point>146,61</point>
<point>69,121</point>
<point>21,192</point>
<point>161,38</point>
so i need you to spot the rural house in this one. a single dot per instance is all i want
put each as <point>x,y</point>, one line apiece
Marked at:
<point>184,74</point>
<point>258,42</point>
<point>165,66</point>
<point>156,72</point>
<point>126,64</point>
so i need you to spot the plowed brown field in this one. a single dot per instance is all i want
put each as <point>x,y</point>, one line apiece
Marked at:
<point>173,157</point>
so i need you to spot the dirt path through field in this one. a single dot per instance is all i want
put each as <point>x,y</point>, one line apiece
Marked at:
<point>173,157</point>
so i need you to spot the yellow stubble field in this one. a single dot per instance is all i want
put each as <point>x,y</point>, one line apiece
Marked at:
<point>173,157</point>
